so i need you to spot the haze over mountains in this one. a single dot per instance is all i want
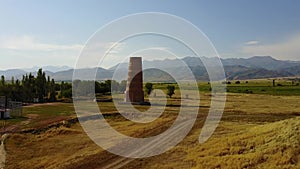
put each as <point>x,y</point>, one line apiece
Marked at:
<point>235,68</point>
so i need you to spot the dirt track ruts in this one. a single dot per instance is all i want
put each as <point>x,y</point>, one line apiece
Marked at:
<point>119,162</point>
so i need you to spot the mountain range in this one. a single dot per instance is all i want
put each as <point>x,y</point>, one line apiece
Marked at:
<point>235,68</point>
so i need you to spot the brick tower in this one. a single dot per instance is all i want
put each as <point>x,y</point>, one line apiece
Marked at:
<point>134,89</point>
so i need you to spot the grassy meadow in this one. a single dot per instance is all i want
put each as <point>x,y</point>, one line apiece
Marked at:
<point>258,129</point>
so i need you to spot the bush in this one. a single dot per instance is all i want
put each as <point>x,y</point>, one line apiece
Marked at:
<point>149,88</point>
<point>170,90</point>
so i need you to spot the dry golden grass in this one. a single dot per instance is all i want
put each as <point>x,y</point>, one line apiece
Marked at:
<point>274,145</point>
<point>257,104</point>
<point>53,149</point>
<point>256,131</point>
<point>61,147</point>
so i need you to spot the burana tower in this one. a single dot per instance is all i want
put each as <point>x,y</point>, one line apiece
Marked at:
<point>134,89</point>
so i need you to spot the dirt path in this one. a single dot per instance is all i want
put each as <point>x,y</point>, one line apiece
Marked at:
<point>40,104</point>
<point>2,151</point>
<point>119,162</point>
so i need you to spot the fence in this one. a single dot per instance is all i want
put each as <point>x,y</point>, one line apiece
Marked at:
<point>2,102</point>
<point>15,108</point>
<point>10,108</point>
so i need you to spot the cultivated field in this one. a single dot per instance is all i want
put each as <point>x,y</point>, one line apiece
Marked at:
<point>259,129</point>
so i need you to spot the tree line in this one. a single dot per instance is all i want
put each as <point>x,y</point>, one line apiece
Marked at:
<point>149,89</point>
<point>30,88</point>
<point>85,88</point>
<point>44,89</point>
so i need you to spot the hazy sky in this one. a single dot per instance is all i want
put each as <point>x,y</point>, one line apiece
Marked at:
<point>38,33</point>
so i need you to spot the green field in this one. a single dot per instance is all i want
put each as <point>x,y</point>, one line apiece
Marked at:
<point>263,86</point>
<point>282,87</point>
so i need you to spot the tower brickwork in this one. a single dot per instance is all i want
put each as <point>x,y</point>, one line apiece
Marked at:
<point>134,89</point>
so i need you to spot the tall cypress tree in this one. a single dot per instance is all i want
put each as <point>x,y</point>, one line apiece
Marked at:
<point>52,91</point>
<point>41,85</point>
